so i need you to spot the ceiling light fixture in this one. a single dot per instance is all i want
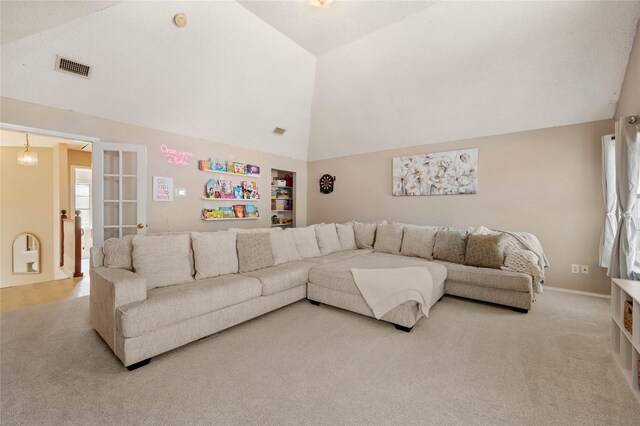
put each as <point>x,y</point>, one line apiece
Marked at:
<point>26,157</point>
<point>320,3</point>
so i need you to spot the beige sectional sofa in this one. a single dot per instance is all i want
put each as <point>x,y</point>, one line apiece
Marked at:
<point>151,294</point>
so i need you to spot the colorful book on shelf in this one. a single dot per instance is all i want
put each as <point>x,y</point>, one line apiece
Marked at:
<point>237,192</point>
<point>251,210</point>
<point>218,165</point>
<point>252,169</point>
<point>212,214</point>
<point>238,211</point>
<point>229,166</point>
<point>239,168</point>
<point>227,212</point>
<point>226,188</point>
<point>204,164</point>
<point>212,188</point>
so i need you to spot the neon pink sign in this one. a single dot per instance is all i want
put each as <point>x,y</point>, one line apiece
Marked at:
<point>173,156</point>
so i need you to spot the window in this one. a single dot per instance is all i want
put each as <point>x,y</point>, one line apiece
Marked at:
<point>82,199</point>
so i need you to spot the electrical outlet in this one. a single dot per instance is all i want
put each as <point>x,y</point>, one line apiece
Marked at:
<point>575,268</point>
<point>584,269</point>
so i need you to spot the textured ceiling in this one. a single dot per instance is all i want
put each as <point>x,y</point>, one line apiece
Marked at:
<point>226,77</point>
<point>20,19</point>
<point>463,70</point>
<point>320,30</point>
<point>393,74</point>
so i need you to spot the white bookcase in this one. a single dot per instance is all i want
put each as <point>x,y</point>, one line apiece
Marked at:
<point>626,346</point>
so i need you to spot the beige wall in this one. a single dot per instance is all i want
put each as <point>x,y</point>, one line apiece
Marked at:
<point>26,203</point>
<point>183,213</point>
<point>546,182</point>
<point>629,101</point>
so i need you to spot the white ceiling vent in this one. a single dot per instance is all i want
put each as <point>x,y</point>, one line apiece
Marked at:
<point>278,131</point>
<point>72,67</point>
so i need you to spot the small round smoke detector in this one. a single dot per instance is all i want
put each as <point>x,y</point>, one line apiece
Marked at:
<point>180,20</point>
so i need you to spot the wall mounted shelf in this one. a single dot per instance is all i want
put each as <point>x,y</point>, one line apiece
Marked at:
<point>231,218</point>
<point>231,199</point>
<point>230,173</point>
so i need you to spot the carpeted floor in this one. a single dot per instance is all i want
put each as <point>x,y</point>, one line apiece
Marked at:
<point>468,363</point>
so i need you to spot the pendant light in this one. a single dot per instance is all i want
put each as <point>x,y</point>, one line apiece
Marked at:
<point>26,157</point>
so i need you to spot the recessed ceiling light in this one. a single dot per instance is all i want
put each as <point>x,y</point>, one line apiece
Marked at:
<point>320,3</point>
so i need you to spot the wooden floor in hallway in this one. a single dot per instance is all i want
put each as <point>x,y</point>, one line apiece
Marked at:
<point>45,292</point>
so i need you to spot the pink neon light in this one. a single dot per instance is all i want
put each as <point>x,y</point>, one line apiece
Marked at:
<point>173,156</point>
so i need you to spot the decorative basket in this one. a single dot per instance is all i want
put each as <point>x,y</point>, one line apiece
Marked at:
<point>628,316</point>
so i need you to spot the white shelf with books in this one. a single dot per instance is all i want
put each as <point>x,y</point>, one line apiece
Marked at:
<point>282,198</point>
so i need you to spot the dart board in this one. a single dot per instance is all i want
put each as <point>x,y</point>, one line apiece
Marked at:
<point>326,184</point>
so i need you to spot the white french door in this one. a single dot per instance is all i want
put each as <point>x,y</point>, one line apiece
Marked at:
<point>119,190</point>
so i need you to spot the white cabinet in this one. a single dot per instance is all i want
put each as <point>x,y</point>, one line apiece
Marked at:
<point>625,345</point>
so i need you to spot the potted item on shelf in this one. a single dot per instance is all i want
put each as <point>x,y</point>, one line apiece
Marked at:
<point>238,211</point>
<point>251,210</point>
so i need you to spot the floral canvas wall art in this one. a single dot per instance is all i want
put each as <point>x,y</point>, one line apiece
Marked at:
<point>438,173</point>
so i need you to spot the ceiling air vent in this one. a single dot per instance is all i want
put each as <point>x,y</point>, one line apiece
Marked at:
<point>278,131</point>
<point>72,67</point>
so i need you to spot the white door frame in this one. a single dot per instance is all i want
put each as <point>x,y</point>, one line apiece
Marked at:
<point>97,206</point>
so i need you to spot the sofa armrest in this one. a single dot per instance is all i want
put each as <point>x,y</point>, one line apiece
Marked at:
<point>110,289</point>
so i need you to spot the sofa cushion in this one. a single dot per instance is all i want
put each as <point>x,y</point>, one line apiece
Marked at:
<point>163,259</point>
<point>118,252</point>
<point>487,277</point>
<point>339,255</point>
<point>283,247</point>
<point>418,241</point>
<point>282,277</point>
<point>388,238</point>
<point>346,236</point>
<point>337,275</point>
<point>214,253</point>
<point>254,251</point>
<point>486,251</point>
<point>365,234</point>
<point>450,246</point>
<point>254,230</point>
<point>306,242</point>
<point>327,237</point>
<point>169,305</point>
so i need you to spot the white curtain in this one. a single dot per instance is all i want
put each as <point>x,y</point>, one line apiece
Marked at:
<point>623,255</point>
<point>610,199</point>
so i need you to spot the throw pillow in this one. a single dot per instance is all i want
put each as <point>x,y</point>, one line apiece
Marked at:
<point>450,246</point>
<point>327,237</point>
<point>388,238</point>
<point>118,252</point>
<point>485,251</point>
<point>346,236</point>
<point>418,241</point>
<point>254,230</point>
<point>254,251</point>
<point>306,242</point>
<point>365,234</point>
<point>214,253</point>
<point>283,246</point>
<point>163,259</point>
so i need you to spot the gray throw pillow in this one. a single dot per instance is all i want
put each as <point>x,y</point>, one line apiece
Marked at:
<point>388,238</point>
<point>214,253</point>
<point>254,251</point>
<point>346,236</point>
<point>118,252</point>
<point>163,259</point>
<point>485,251</point>
<point>450,246</point>
<point>365,234</point>
<point>418,241</point>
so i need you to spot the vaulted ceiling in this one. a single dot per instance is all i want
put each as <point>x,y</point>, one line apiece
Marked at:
<point>355,77</point>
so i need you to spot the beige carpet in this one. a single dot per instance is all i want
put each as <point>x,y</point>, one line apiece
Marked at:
<point>468,363</point>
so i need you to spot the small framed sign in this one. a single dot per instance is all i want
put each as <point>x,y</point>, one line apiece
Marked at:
<point>162,188</point>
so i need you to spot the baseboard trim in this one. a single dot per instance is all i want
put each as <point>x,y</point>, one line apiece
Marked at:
<point>584,293</point>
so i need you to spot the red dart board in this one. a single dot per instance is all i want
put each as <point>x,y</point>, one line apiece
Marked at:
<point>326,184</point>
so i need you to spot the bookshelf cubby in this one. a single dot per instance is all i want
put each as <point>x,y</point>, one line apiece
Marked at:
<point>282,198</point>
<point>625,345</point>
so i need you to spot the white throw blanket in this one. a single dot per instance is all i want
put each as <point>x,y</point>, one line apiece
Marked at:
<point>385,289</point>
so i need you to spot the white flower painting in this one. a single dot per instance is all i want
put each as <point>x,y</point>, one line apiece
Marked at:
<point>438,173</point>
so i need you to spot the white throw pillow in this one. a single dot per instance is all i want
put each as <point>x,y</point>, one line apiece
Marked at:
<point>327,236</point>
<point>214,253</point>
<point>346,236</point>
<point>418,241</point>
<point>253,230</point>
<point>163,259</point>
<point>365,234</point>
<point>306,242</point>
<point>118,252</point>
<point>388,238</point>
<point>283,246</point>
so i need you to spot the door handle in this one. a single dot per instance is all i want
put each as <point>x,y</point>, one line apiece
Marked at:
<point>141,225</point>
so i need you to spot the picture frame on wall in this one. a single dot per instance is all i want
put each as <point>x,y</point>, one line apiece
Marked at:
<point>438,173</point>
<point>162,188</point>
